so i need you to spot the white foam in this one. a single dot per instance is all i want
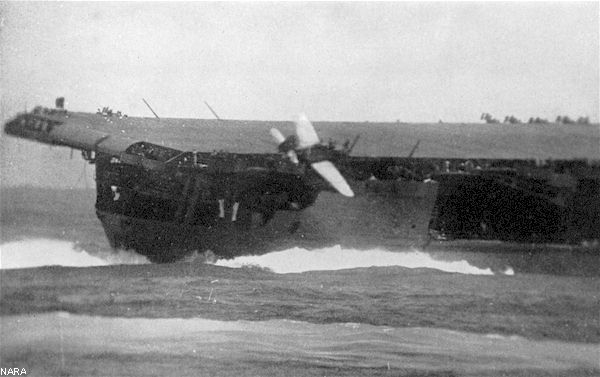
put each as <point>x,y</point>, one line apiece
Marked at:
<point>336,258</point>
<point>48,252</point>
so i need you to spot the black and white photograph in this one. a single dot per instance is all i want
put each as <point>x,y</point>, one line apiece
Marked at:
<point>300,188</point>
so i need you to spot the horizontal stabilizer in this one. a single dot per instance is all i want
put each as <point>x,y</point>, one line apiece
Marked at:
<point>330,173</point>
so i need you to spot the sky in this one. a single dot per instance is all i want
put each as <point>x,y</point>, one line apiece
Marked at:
<point>354,61</point>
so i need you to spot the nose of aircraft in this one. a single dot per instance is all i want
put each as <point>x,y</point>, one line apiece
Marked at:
<point>15,126</point>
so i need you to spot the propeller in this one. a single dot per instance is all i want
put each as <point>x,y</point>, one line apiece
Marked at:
<point>306,137</point>
<point>283,145</point>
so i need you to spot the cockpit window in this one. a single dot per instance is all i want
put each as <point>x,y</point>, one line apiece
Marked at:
<point>38,123</point>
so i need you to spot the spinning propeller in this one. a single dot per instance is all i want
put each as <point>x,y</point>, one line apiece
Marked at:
<point>306,138</point>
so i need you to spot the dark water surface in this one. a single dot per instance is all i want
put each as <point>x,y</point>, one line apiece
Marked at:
<point>451,309</point>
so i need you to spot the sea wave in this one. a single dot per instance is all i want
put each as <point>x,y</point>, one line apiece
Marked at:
<point>252,346</point>
<point>50,252</point>
<point>297,260</point>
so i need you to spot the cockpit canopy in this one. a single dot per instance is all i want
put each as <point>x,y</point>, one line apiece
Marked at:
<point>152,151</point>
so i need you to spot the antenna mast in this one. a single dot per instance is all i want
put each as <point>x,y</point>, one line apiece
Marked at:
<point>150,109</point>
<point>212,111</point>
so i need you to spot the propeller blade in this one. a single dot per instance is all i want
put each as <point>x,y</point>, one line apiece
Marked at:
<point>277,135</point>
<point>330,173</point>
<point>307,136</point>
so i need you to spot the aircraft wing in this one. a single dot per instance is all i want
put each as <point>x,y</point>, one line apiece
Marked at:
<point>61,128</point>
<point>437,140</point>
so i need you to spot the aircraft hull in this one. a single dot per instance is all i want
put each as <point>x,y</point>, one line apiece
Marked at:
<point>391,215</point>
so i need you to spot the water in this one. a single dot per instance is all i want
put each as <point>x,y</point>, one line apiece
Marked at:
<point>200,346</point>
<point>71,306</point>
